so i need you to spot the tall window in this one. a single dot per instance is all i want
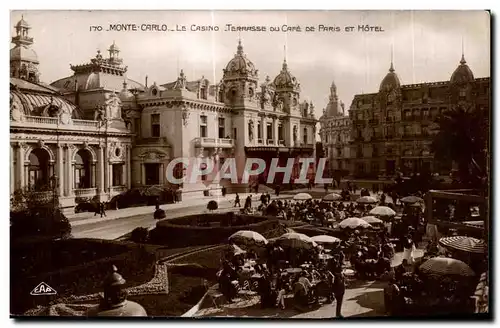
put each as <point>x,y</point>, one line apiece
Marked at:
<point>155,125</point>
<point>203,92</point>
<point>222,127</point>
<point>280,132</point>
<point>304,136</point>
<point>137,127</point>
<point>463,93</point>
<point>117,174</point>
<point>259,131</point>
<point>203,126</point>
<point>269,129</point>
<point>235,135</point>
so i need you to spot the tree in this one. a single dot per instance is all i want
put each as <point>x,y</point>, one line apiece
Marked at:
<point>37,214</point>
<point>463,138</point>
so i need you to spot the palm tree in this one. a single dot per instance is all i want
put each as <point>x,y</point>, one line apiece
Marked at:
<point>463,138</point>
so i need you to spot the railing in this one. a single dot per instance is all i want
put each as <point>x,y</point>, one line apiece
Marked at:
<point>281,142</point>
<point>214,142</point>
<point>270,141</point>
<point>40,119</point>
<point>152,140</point>
<point>85,191</point>
<point>260,141</point>
<point>92,124</point>
<point>118,188</point>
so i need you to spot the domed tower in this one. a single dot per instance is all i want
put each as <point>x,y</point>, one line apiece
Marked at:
<point>333,108</point>
<point>461,83</point>
<point>23,59</point>
<point>390,90</point>
<point>240,79</point>
<point>287,90</point>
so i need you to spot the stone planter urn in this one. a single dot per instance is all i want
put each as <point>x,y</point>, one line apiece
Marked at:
<point>115,303</point>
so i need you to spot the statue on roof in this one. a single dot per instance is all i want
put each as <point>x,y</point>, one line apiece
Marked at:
<point>113,106</point>
<point>51,109</point>
<point>99,113</point>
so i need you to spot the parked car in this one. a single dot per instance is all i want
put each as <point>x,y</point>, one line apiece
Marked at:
<point>85,207</point>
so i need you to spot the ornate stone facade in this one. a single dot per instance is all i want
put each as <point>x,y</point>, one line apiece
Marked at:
<point>392,130</point>
<point>122,134</point>
<point>335,134</point>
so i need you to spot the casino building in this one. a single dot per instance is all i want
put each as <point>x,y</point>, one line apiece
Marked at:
<point>98,133</point>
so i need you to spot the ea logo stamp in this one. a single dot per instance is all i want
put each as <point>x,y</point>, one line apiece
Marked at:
<point>43,289</point>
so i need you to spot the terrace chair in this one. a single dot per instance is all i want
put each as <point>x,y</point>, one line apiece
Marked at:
<point>213,294</point>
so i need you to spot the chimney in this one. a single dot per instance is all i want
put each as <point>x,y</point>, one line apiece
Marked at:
<point>146,81</point>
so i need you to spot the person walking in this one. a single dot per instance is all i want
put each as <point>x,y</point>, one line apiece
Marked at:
<point>102,209</point>
<point>237,200</point>
<point>339,291</point>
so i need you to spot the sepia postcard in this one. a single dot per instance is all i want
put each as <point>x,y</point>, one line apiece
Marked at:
<point>250,164</point>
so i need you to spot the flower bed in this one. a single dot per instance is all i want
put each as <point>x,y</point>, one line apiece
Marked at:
<point>181,232</point>
<point>136,263</point>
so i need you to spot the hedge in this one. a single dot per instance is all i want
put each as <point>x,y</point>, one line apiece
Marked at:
<point>185,231</point>
<point>136,265</point>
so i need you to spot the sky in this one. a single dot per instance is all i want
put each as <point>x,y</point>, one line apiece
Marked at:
<point>424,45</point>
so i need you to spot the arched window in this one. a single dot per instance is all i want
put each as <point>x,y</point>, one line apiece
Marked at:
<point>38,169</point>
<point>83,168</point>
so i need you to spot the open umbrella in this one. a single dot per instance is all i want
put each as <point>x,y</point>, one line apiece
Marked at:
<point>247,238</point>
<point>411,199</point>
<point>382,211</point>
<point>366,200</point>
<point>325,239</point>
<point>296,240</point>
<point>333,197</point>
<point>372,220</point>
<point>236,250</point>
<point>446,266</point>
<point>302,196</point>
<point>354,223</point>
<point>463,243</point>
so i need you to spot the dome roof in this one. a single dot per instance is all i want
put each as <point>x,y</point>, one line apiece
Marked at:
<point>285,79</point>
<point>125,94</point>
<point>390,81</point>
<point>34,99</point>
<point>240,64</point>
<point>463,73</point>
<point>22,52</point>
<point>22,23</point>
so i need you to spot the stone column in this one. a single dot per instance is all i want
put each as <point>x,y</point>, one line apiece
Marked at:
<point>110,177</point>
<point>264,131</point>
<point>93,182</point>
<point>143,174</point>
<point>20,166</point>
<point>100,171</point>
<point>60,168</point>
<point>69,171</point>
<point>275,131</point>
<point>161,174</point>
<point>128,165</point>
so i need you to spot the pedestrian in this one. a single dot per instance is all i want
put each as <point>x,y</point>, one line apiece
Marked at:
<point>268,195</point>
<point>338,291</point>
<point>237,200</point>
<point>103,209</point>
<point>97,208</point>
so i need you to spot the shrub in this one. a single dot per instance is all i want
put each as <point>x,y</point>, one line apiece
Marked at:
<point>37,214</point>
<point>212,205</point>
<point>139,235</point>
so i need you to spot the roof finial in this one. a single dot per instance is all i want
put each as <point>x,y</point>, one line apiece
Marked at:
<point>462,60</point>
<point>285,66</point>
<point>240,47</point>
<point>391,69</point>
